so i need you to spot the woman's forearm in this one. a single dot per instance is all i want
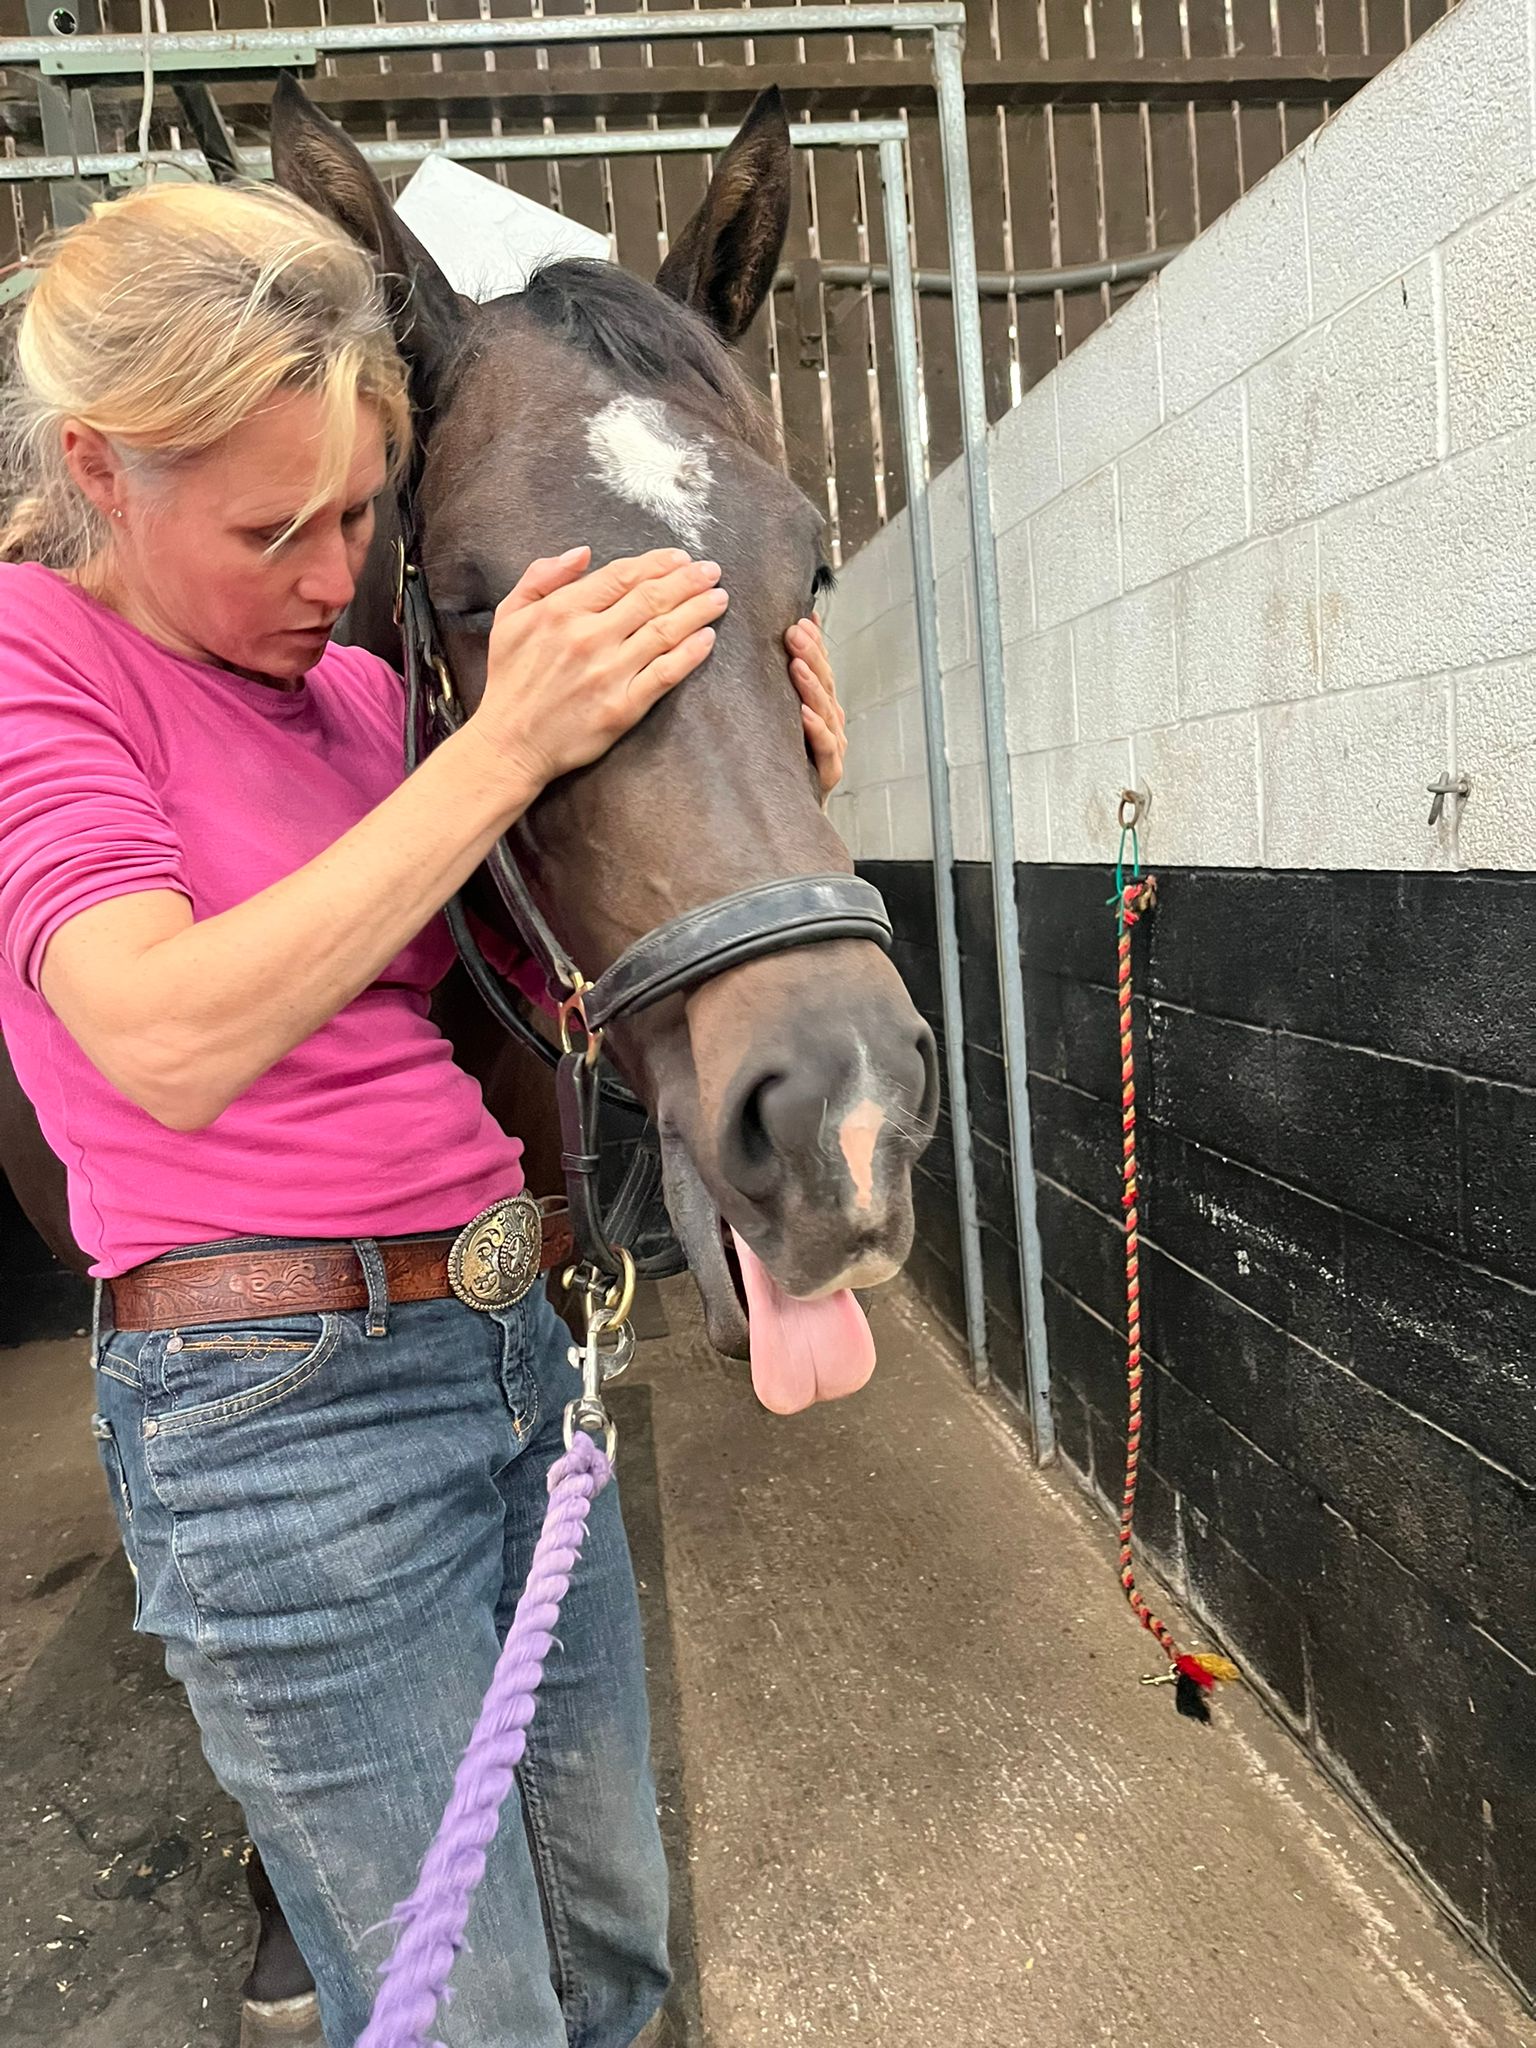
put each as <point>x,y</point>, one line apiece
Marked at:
<point>184,1020</point>
<point>182,1016</point>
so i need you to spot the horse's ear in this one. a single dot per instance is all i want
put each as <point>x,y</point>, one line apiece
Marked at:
<point>314,160</point>
<point>723,262</point>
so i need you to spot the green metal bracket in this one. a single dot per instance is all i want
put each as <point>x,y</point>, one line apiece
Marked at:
<point>16,285</point>
<point>66,59</point>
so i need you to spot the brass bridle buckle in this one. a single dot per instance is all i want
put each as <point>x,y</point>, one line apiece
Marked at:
<point>573,1011</point>
<point>404,569</point>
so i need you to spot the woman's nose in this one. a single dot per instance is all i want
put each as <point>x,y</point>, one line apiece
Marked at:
<point>327,579</point>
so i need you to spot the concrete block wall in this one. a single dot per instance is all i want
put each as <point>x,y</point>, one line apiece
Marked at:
<point>1267,544</point>
<point>1266,538</point>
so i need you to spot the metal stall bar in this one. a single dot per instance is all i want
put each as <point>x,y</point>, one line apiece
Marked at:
<point>220,48</point>
<point>998,284</point>
<point>893,183</point>
<point>989,639</point>
<point>478,149</point>
<point>66,118</point>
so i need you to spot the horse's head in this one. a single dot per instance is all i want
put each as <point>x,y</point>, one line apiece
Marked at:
<point>794,1092</point>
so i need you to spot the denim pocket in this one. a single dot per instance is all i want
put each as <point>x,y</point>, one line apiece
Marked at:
<point>118,1357</point>
<point>112,1465</point>
<point>213,1374</point>
<point>116,1471</point>
<point>519,1377</point>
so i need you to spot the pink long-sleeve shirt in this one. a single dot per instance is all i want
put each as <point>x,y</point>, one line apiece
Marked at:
<point>125,767</point>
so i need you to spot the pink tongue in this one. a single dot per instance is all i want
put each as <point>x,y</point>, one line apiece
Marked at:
<point>802,1351</point>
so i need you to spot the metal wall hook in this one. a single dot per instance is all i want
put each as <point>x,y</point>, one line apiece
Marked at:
<point>1134,806</point>
<point>1458,786</point>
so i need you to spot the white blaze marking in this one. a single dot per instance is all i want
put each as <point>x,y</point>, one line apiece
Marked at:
<point>639,456</point>
<point>857,1135</point>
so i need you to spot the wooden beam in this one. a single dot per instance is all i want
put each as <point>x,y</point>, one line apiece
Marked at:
<point>630,93</point>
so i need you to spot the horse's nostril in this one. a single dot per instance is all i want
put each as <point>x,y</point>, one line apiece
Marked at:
<point>823,1109</point>
<point>752,1128</point>
<point>748,1150</point>
<point>928,1053</point>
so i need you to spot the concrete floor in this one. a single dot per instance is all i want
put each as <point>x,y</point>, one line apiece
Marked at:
<point>914,1791</point>
<point>930,1802</point>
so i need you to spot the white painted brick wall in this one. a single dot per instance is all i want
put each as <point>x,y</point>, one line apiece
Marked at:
<point>968,814</point>
<point>1083,785</point>
<point>1038,677</point>
<point>1493,712</point>
<point>1109,391</point>
<point>1075,550</point>
<point>1031,779</point>
<point>1203,779</point>
<point>957,641</point>
<point>1015,581</point>
<point>1348,773</point>
<point>1352,405</point>
<point>1184,492</point>
<point>1239,292</point>
<point>1435,573</point>
<point>1441,138</point>
<point>1124,665</point>
<point>1246,626</point>
<point>1026,459</point>
<point>963,745</point>
<point>1490,324</point>
<point>1267,541</point>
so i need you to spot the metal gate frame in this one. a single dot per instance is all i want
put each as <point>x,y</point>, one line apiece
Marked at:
<point>942,23</point>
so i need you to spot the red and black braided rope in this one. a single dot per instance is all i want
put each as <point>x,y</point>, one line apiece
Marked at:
<point>1193,1676</point>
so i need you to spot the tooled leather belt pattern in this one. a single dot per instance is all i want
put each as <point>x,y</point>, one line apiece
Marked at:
<point>232,1287</point>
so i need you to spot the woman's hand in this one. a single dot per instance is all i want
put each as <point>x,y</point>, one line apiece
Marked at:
<point>576,659</point>
<point>826,729</point>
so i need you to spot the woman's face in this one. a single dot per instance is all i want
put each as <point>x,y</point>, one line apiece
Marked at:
<point>192,560</point>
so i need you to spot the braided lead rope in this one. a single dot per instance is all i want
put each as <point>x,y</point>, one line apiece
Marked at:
<point>1193,1676</point>
<point>433,1918</point>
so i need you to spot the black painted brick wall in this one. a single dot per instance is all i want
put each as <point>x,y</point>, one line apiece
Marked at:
<point>1337,1077</point>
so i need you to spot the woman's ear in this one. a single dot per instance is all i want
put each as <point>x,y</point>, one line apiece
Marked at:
<point>94,466</point>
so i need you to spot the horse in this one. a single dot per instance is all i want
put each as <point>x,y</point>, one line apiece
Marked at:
<point>792,1093</point>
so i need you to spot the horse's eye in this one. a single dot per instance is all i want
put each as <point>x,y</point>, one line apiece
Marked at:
<point>476,623</point>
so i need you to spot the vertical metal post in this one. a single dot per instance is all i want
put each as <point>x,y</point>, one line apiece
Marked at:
<point>68,117</point>
<point>893,181</point>
<point>950,83</point>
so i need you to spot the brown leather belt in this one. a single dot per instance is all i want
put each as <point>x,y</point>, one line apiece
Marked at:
<point>293,1280</point>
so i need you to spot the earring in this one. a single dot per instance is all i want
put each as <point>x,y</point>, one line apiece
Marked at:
<point>117,511</point>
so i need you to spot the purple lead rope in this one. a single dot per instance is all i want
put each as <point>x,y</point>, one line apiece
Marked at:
<point>433,1918</point>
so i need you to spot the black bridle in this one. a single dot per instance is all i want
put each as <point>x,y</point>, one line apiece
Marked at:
<point>676,956</point>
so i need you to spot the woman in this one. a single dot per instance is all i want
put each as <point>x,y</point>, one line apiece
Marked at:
<point>218,940</point>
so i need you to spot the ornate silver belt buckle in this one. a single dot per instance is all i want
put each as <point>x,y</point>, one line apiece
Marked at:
<point>494,1260</point>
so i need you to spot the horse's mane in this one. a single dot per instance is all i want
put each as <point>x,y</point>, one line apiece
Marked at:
<point>639,331</point>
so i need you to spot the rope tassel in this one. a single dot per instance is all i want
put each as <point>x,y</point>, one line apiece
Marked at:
<point>1192,1676</point>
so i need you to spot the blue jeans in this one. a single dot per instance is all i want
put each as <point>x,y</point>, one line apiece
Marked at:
<point>329,1530</point>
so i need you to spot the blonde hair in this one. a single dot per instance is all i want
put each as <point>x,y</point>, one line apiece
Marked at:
<point>167,318</point>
